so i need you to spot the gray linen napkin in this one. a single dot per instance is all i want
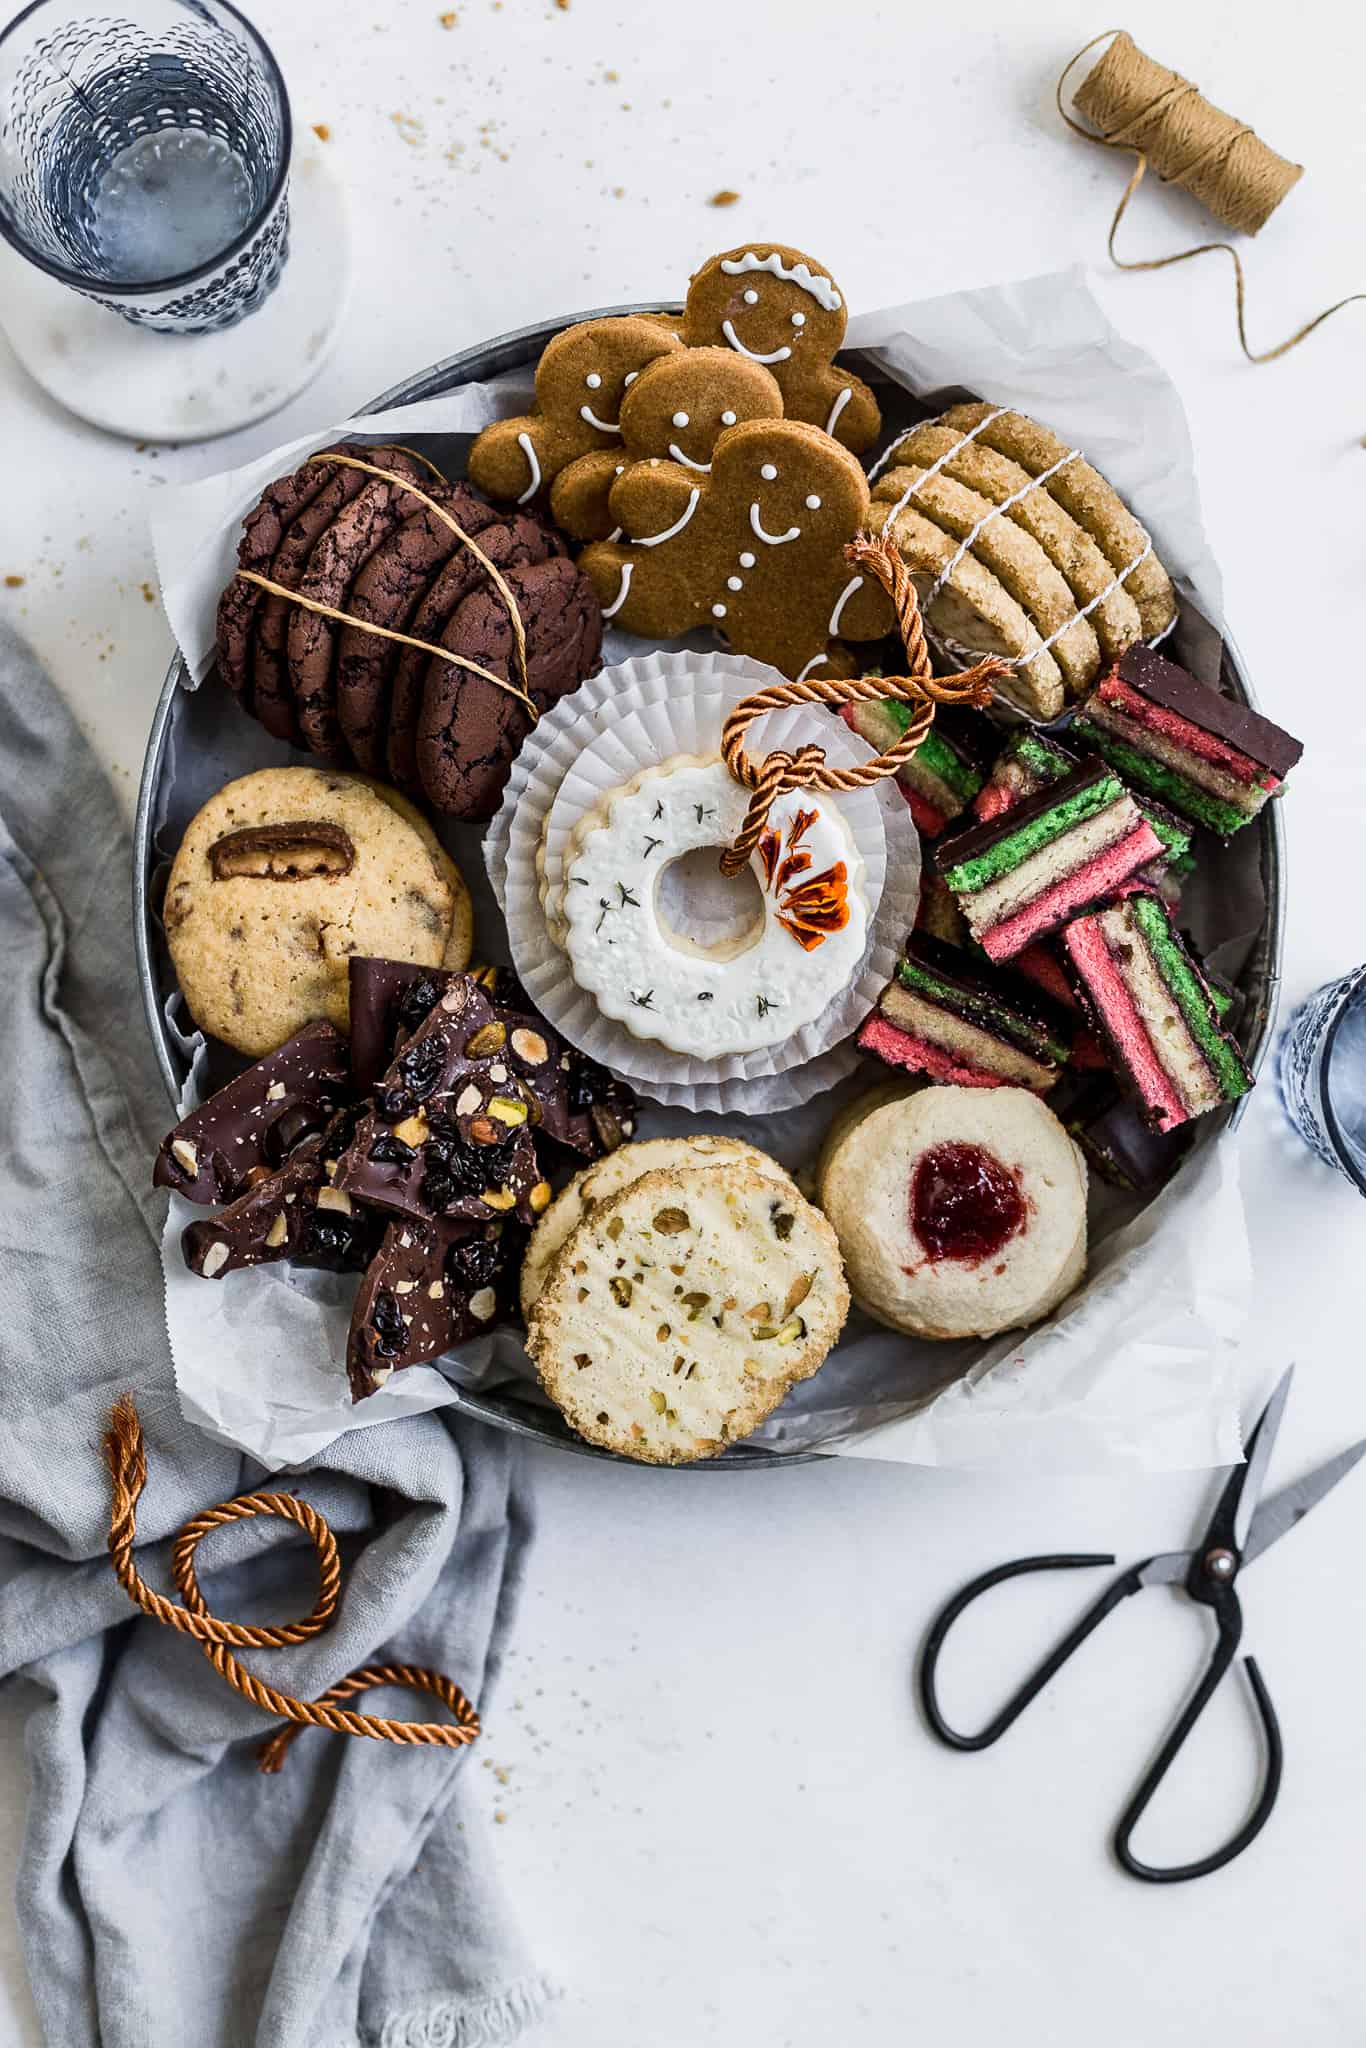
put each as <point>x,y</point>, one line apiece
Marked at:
<point>168,1893</point>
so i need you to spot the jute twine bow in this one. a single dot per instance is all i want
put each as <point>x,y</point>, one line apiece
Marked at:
<point>125,1454</point>
<point>778,772</point>
<point>494,574</point>
<point>1137,104</point>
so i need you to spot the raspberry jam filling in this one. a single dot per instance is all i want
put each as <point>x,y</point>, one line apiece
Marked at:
<point>964,1203</point>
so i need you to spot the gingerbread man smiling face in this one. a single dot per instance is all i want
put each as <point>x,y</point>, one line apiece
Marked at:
<point>674,410</point>
<point>755,548</point>
<point>774,306</point>
<point>581,380</point>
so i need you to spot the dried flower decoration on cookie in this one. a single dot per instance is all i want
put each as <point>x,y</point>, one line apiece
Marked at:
<point>755,549</point>
<point>775,306</point>
<point>810,910</point>
<point>740,992</point>
<point>581,380</point>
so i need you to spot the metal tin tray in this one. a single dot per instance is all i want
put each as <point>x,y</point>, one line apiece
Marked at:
<point>509,1408</point>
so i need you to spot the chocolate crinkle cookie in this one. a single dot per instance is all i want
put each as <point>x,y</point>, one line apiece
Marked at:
<point>417,1159</point>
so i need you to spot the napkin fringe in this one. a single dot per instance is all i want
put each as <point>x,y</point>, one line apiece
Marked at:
<point>455,2024</point>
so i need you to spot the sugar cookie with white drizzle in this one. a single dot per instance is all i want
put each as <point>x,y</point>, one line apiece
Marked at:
<point>774,306</point>
<point>754,549</point>
<point>744,991</point>
<point>582,377</point>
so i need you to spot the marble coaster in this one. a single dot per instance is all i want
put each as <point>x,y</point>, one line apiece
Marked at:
<point>173,387</point>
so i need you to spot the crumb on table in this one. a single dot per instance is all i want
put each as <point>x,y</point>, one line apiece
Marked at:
<point>725,197</point>
<point>14,582</point>
<point>322,131</point>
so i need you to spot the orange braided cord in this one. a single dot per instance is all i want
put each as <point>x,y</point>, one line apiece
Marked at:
<point>126,1457</point>
<point>807,768</point>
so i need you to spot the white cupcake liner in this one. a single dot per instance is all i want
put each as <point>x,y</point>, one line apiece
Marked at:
<point>636,715</point>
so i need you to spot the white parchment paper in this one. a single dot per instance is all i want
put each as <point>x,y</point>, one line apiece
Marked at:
<point>1140,1368</point>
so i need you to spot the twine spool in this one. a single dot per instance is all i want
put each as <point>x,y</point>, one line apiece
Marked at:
<point>1132,102</point>
<point>1139,104</point>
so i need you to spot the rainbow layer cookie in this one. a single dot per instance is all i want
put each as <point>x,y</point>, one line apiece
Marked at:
<point>1156,1011</point>
<point>1056,853</point>
<point>943,1017</point>
<point>1211,759</point>
<point>941,778</point>
<point>1030,761</point>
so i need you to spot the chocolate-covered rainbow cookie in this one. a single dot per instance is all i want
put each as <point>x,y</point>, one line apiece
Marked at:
<point>942,776</point>
<point>1211,759</point>
<point>1069,846</point>
<point>1030,761</point>
<point>1156,1011</point>
<point>943,1016</point>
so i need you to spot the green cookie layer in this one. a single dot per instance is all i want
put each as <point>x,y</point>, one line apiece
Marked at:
<point>1029,839</point>
<point>1191,996</point>
<point>1164,782</point>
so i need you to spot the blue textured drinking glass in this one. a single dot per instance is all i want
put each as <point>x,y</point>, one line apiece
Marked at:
<point>1321,1070</point>
<point>144,157</point>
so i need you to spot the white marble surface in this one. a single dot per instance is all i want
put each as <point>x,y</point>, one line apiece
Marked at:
<point>723,1818</point>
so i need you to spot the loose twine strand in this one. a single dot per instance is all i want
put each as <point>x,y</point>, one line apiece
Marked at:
<point>1139,105</point>
<point>125,1454</point>
<point>495,575</point>
<point>780,771</point>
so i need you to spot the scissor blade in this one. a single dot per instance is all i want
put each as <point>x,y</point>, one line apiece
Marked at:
<point>1260,1447</point>
<point>1275,1516</point>
<point>1167,1570</point>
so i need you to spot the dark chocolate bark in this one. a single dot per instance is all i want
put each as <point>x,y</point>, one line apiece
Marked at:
<point>431,1285</point>
<point>293,1213</point>
<point>451,1130</point>
<point>256,1120</point>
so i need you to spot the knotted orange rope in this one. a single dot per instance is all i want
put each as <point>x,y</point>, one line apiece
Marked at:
<point>125,1454</point>
<point>780,771</point>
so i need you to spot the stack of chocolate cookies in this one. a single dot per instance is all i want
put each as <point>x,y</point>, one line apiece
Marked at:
<point>367,546</point>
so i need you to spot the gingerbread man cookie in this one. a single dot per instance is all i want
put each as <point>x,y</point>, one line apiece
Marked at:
<point>676,408</point>
<point>776,307</point>
<point>754,547</point>
<point>581,380</point>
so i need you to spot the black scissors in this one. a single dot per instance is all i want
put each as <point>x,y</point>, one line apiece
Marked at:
<point>1239,1531</point>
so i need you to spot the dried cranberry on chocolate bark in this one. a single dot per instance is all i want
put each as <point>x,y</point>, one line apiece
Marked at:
<point>292,1213</point>
<point>256,1120</point>
<point>451,1129</point>
<point>431,1285</point>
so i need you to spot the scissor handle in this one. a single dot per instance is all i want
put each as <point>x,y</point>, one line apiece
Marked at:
<point>1118,1589</point>
<point>1230,1619</point>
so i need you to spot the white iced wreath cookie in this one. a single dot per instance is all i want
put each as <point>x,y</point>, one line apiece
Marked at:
<point>736,996</point>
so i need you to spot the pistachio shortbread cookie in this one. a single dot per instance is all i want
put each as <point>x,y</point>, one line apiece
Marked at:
<point>1092,502</point>
<point>959,1211</point>
<point>280,878</point>
<point>607,1177</point>
<point>1022,499</point>
<point>1013,556</point>
<point>974,615</point>
<point>682,1310</point>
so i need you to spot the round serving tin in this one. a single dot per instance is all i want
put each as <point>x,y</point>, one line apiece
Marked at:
<point>182,726</point>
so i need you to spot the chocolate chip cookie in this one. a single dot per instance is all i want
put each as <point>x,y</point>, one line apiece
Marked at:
<point>280,878</point>
<point>273,699</point>
<point>262,531</point>
<point>387,592</point>
<point>469,730</point>
<point>516,540</point>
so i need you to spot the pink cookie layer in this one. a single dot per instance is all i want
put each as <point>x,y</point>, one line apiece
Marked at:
<point>1087,884</point>
<point>918,1056</point>
<point>1085,943</point>
<point>1182,733</point>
